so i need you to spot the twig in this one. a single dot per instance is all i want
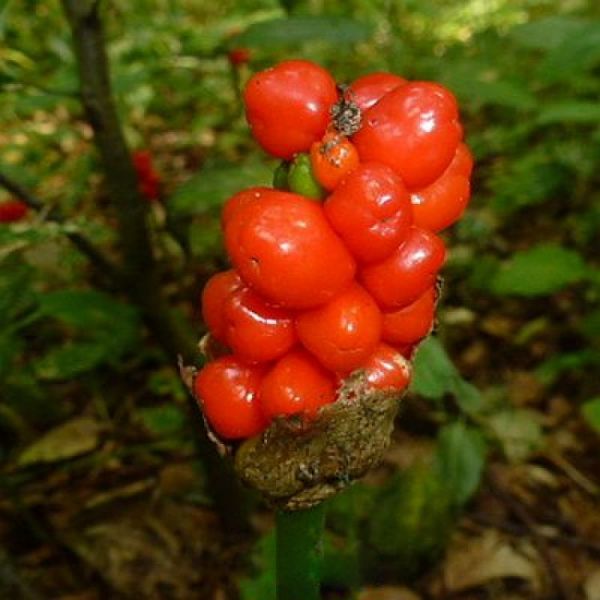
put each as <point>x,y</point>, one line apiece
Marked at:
<point>522,514</point>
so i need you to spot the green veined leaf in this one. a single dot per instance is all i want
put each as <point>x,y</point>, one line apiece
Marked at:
<point>542,270</point>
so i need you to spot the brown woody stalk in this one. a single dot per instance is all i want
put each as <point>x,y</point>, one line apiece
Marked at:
<point>139,269</point>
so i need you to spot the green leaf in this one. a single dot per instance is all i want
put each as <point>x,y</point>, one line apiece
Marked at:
<point>590,411</point>
<point>104,330</point>
<point>70,360</point>
<point>460,459</point>
<point>570,112</point>
<point>412,522</point>
<point>573,56</point>
<point>163,420</point>
<point>549,32</point>
<point>297,30</point>
<point>434,376</point>
<point>542,270</point>
<point>69,440</point>
<point>207,190</point>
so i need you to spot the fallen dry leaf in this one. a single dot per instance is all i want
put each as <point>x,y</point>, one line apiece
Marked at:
<point>477,562</point>
<point>591,586</point>
<point>73,438</point>
<point>387,593</point>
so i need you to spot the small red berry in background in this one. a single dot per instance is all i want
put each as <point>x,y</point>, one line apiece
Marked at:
<point>335,272</point>
<point>239,56</point>
<point>297,384</point>
<point>12,211</point>
<point>227,389</point>
<point>287,106</point>
<point>148,177</point>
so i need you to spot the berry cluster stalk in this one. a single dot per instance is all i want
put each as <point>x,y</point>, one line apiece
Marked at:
<point>299,541</point>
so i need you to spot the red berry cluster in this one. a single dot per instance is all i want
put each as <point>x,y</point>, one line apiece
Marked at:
<point>12,211</point>
<point>148,177</point>
<point>320,290</point>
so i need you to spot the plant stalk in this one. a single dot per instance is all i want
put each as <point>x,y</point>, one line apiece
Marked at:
<point>299,553</point>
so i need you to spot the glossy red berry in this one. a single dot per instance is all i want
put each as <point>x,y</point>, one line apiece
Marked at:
<point>256,331</point>
<point>282,245</point>
<point>412,323</point>
<point>413,129</point>
<point>12,211</point>
<point>443,202</point>
<point>369,89</point>
<point>401,278</point>
<point>332,159</point>
<point>344,332</point>
<point>227,391</point>
<point>214,295</point>
<point>239,200</point>
<point>296,384</point>
<point>371,211</point>
<point>287,106</point>
<point>387,369</point>
<point>148,178</point>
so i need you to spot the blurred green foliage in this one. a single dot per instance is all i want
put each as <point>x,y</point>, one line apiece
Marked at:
<point>526,76</point>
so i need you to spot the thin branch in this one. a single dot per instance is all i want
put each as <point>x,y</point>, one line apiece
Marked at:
<point>87,248</point>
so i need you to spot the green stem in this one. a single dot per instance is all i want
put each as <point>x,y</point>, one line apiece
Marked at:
<point>299,553</point>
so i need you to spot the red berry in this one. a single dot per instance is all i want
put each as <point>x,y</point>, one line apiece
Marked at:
<point>370,210</point>
<point>239,56</point>
<point>216,291</point>
<point>148,178</point>
<point>297,384</point>
<point>283,247</point>
<point>287,106</point>
<point>256,331</point>
<point>239,200</point>
<point>442,203</point>
<point>413,129</point>
<point>401,278</point>
<point>387,369</point>
<point>344,332</point>
<point>226,389</point>
<point>12,211</point>
<point>332,159</point>
<point>369,89</point>
<point>412,323</point>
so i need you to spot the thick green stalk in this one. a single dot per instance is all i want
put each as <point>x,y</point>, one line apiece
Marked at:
<point>299,540</point>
